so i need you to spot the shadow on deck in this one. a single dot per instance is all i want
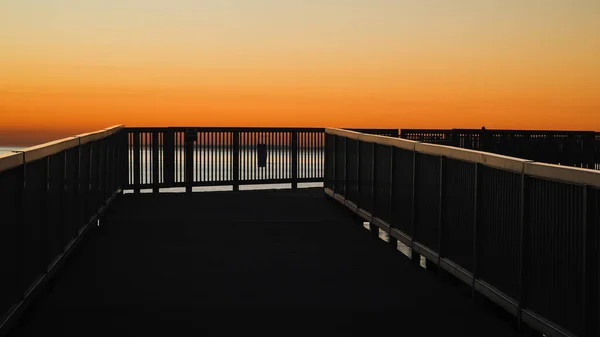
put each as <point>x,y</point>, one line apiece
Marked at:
<point>248,263</point>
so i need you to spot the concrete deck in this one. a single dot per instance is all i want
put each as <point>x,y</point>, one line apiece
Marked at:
<point>290,262</point>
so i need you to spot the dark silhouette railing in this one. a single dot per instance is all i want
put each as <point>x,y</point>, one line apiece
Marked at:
<point>219,156</point>
<point>49,196</point>
<point>597,150</point>
<point>523,234</point>
<point>570,148</point>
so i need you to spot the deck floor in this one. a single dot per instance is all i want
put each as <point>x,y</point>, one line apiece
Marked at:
<point>248,263</point>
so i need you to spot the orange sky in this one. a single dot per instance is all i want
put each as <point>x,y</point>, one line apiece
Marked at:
<point>74,66</point>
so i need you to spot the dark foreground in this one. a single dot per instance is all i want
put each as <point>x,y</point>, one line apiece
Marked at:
<point>248,263</point>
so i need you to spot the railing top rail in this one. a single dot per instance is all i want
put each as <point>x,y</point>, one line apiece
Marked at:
<point>504,131</point>
<point>10,160</point>
<point>96,135</point>
<point>426,130</point>
<point>250,129</point>
<point>531,168</point>
<point>527,131</point>
<point>573,175</point>
<point>225,129</point>
<point>485,158</point>
<point>372,130</point>
<point>384,140</point>
<point>32,153</point>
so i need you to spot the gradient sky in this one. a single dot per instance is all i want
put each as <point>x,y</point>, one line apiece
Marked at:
<point>74,66</point>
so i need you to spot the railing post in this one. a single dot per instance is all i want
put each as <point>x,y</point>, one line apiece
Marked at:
<point>103,171</point>
<point>391,240</point>
<point>346,167</point>
<point>108,167</point>
<point>115,164</point>
<point>358,141</point>
<point>333,161</point>
<point>84,183</point>
<point>78,191</point>
<point>522,298</point>
<point>45,231</point>
<point>326,161</point>
<point>374,229</point>
<point>476,206</point>
<point>169,157</point>
<point>136,162</point>
<point>123,159</point>
<point>586,308</point>
<point>189,165</point>
<point>294,159</point>
<point>63,202</point>
<point>236,161</point>
<point>591,253</point>
<point>416,258</point>
<point>20,233</point>
<point>155,157</point>
<point>440,239</point>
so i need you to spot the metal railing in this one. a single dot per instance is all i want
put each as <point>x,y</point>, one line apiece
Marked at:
<point>523,234</point>
<point>50,195</point>
<point>569,148</point>
<point>597,150</point>
<point>224,156</point>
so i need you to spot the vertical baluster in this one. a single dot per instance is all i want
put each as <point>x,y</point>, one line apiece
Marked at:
<point>243,156</point>
<point>149,157</point>
<point>263,172</point>
<point>279,160</point>
<point>155,167</point>
<point>213,151</point>
<point>236,161</point>
<point>188,163</point>
<point>202,161</point>
<point>313,160</point>
<point>294,159</point>
<point>270,154</point>
<point>136,162</point>
<point>181,152</point>
<point>251,155</point>
<point>220,153</point>
<point>130,159</point>
<point>169,157</point>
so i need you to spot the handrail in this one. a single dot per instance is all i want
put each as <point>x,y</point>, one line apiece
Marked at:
<point>10,160</point>
<point>542,170</point>
<point>51,196</point>
<point>36,152</point>
<point>574,175</point>
<point>568,148</point>
<point>505,226</point>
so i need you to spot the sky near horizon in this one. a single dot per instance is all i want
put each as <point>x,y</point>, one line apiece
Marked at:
<point>70,66</point>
